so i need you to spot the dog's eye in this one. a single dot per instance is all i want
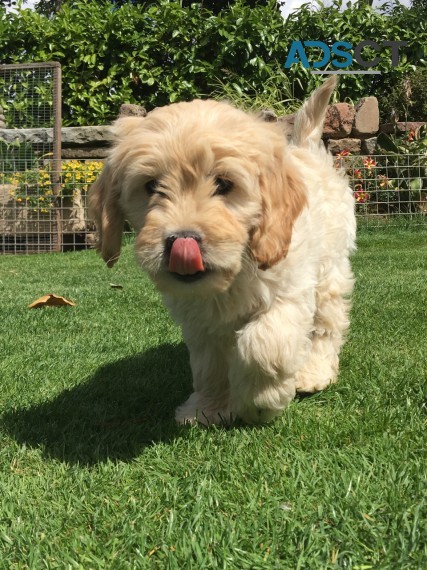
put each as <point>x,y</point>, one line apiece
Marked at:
<point>152,186</point>
<point>223,186</point>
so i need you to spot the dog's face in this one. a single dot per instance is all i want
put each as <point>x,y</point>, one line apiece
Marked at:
<point>207,189</point>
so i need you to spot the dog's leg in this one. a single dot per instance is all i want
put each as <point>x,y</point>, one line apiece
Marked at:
<point>330,324</point>
<point>268,353</point>
<point>208,404</point>
<point>322,366</point>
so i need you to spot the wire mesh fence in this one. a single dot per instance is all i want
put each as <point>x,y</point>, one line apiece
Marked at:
<point>43,200</point>
<point>30,109</point>
<point>32,200</point>
<point>387,190</point>
<point>388,187</point>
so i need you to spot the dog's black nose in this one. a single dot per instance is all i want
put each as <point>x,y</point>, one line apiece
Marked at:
<point>181,234</point>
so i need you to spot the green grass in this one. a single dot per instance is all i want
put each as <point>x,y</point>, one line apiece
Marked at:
<point>94,473</point>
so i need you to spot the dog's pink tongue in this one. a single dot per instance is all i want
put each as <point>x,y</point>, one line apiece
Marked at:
<point>185,257</point>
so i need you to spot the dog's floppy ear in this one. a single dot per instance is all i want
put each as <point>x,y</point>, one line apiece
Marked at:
<point>104,208</point>
<point>283,198</point>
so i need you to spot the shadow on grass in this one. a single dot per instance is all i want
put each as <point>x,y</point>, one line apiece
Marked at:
<point>125,407</point>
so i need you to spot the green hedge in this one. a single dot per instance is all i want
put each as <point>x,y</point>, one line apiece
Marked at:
<point>163,52</point>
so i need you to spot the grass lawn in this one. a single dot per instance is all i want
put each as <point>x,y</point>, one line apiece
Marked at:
<point>94,473</point>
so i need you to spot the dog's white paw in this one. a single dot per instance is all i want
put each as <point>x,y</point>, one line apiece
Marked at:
<point>194,411</point>
<point>309,383</point>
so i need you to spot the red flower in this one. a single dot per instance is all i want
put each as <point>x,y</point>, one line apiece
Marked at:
<point>342,154</point>
<point>369,163</point>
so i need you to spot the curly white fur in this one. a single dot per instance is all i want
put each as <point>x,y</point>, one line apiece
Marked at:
<point>269,317</point>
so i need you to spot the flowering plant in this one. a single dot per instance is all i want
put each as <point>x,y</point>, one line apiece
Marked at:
<point>77,176</point>
<point>368,186</point>
<point>35,188</point>
<point>406,161</point>
<point>382,184</point>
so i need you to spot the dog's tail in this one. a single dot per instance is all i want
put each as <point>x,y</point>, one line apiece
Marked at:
<point>308,125</point>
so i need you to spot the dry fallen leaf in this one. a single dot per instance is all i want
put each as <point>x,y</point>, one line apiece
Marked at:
<point>51,300</point>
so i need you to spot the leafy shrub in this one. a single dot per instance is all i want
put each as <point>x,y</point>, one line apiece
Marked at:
<point>407,100</point>
<point>16,156</point>
<point>156,53</point>
<point>339,22</point>
<point>152,55</point>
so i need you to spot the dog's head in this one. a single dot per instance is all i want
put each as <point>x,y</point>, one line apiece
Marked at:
<point>207,188</point>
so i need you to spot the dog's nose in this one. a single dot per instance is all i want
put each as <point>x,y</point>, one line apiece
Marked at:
<point>181,234</point>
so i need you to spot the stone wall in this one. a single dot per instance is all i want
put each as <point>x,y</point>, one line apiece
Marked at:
<point>77,142</point>
<point>347,127</point>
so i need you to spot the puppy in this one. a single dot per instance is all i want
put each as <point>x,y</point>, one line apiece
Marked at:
<point>247,237</point>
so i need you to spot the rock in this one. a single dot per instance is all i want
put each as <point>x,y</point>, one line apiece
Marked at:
<point>401,127</point>
<point>33,136</point>
<point>91,239</point>
<point>70,135</point>
<point>84,152</point>
<point>367,119</point>
<point>93,136</point>
<point>129,110</point>
<point>368,145</point>
<point>339,120</point>
<point>336,146</point>
<point>6,191</point>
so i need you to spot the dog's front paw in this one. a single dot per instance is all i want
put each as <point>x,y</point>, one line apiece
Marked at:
<point>310,383</point>
<point>256,416</point>
<point>195,411</point>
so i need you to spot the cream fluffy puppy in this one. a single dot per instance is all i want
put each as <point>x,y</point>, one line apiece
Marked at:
<point>247,237</point>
